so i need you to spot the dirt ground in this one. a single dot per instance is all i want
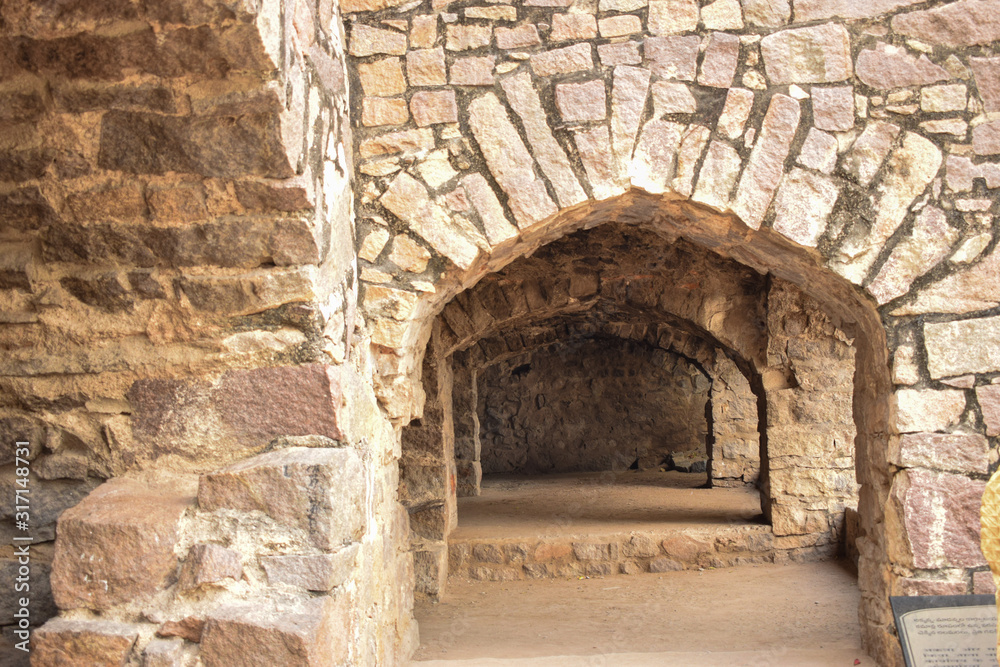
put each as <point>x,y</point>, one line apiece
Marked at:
<point>599,503</point>
<point>768,615</point>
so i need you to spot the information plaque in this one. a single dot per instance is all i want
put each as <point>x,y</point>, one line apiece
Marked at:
<point>947,630</point>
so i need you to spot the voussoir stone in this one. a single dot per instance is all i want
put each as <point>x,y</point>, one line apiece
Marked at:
<point>117,545</point>
<point>320,491</point>
<point>63,642</point>
<point>817,54</point>
<point>310,633</point>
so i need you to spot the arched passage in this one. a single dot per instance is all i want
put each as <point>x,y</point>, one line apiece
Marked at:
<point>753,297</point>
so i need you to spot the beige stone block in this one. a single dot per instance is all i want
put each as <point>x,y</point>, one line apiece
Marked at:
<point>484,200</point>
<point>382,78</point>
<point>966,346</point>
<point>655,156</point>
<point>928,409</point>
<point>962,23</point>
<point>870,150</point>
<point>407,141</point>
<point>816,54</point>
<point>833,108</point>
<point>803,206</point>
<point>629,89</point>
<point>926,246</point>
<point>582,101</point>
<point>819,151</point>
<point>767,13</point>
<point>368,41</point>
<point>495,13</point>
<point>409,255</point>
<point>426,67</point>
<point>987,74</point>
<point>319,573</point>
<point>718,175</point>
<point>955,452</point>
<point>739,103</point>
<point>670,98</point>
<point>572,27</point>
<point>433,108</point>
<point>473,71</point>
<point>66,642</point>
<point>466,37</point>
<point>718,66</point>
<point>619,26</point>
<point>389,302</point>
<point>594,147</point>
<point>944,98</point>
<point>520,37</point>
<point>624,53</point>
<point>693,144</point>
<point>566,60</point>
<point>668,17</point>
<point>722,15</point>
<point>423,31</point>
<point>379,111</point>
<point>885,67</point>
<point>674,57</point>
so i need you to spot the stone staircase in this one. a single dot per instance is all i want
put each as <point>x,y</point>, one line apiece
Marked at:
<point>509,559</point>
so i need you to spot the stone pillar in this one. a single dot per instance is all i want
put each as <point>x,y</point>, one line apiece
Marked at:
<point>465,397</point>
<point>427,473</point>
<point>736,449</point>
<point>810,426</point>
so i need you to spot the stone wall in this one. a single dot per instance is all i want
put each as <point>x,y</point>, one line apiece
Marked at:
<point>593,405</point>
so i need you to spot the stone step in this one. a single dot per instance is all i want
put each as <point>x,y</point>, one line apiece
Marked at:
<point>509,559</point>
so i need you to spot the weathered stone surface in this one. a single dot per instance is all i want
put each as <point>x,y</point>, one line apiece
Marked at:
<point>870,150</point>
<point>763,172</point>
<point>382,78</point>
<point>629,89</point>
<point>425,67</point>
<point>242,411</point>
<point>625,53</point>
<point>833,108</point>
<point>718,175</point>
<point>385,301</point>
<point>937,99</point>
<point>377,111</point>
<point>986,138</point>
<point>164,653</point>
<point>887,66</point>
<point>569,59</point>
<point>722,15</point>
<point>209,564</point>
<point>408,141</point>
<point>518,38</point>
<point>118,544</point>
<point>987,73</point>
<point>667,17</point>
<point>928,244</point>
<point>309,634</point>
<point>509,161</point>
<point>941,518</point>
<point>320,491</point>
<point>966,346</point>
<point>145,143</point>
<point>431,108</point>
<point>672,57</point>
<point>484,200</point>
<point>473,71</point>
<point>962,23</point>
<point>966,291</point>
<point>767,13</point>
<point>408,254</point>
<point>596,153</point>
<point>983,583</point>
<point>466,37</point>
<point>928,409</point>
<point>819,151</point>
<point>803,205</point>
<point>619,26</point>
<point>693,143</point>
<point>817,54</point>
<point>189,628</point>
<point>989,402</point>
<point>718,66</point>
<point>64,642</point>
<point>318,573</point>
<point>914,586</point>
<point>739,103</point>
<point>655,156</point>
<point>524,100</point>
<point>955,452</point>
<point>812,10</point>
<point>582,101</point>
<point>566,27</point>
<point>367,41</point>
<point>669,98</point>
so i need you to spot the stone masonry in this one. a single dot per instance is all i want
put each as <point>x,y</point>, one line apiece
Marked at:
<point>244,236</point>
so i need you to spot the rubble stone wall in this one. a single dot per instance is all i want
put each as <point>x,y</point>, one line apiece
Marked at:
<point>592,405</point>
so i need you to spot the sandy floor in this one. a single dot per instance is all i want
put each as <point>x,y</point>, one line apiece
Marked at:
<point>766,615</point>
<point>599,503</point>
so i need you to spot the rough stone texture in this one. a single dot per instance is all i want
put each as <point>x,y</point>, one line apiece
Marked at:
<point>833,108</point>
<point>566,27</point>
<point>887,66</point>
<point>928,244</point>
<point>309,634</point>
<point>928,409</point>
<point>989,402</point>
<point>118,544</point>
<point>318,573</point>
<point>718,65</point>
<point>426,67</point>
<point>962,23</point>
<point>65,642</point>
<point>967,346</point>
<point>941,518</point>
<point>209,564</point>
<point>320,491</point>
<point>818,54</point>
<point>739,103</point>
<point>672,57</point>
<point>987,74</point>
<point>431,108</point>
<point>574,58</point>
<point>581,101</point>
<point>533,410</point>
<point>819,151</point>
<point>958,452</point>
<point>803,205</point>
<point>667,17</point>
<point>669,98</point>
